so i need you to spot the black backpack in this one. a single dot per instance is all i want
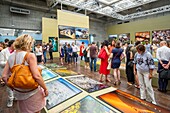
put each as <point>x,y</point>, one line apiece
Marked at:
<point>85,52</point>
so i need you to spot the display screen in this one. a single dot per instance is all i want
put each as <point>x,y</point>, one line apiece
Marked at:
<point>141,36</point>
<point>47,74</point>
<point>66,32</point>
<point>130,104</point>
<point>88,105</point>
<point>87,84</point>
<point>59,91</point>
<point>124,37</point>
<point>82,33</point>
<point>160,35</point>
<point>65,72</point>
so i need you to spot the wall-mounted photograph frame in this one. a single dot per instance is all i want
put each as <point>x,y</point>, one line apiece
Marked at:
<point>124,37</point>
<point>159,35</point>
<point>63,41</point>
<point>54,41</point>
<point>141,36</point>
<point>82,33</point>
<point>112,37</point>
<point>79,42</point>
<point>67,32</point>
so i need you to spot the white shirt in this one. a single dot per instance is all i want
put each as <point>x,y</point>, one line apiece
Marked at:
<point>75,48</point>
<point>163,53</point>
<point>38,51</point>
<point>4,54</point>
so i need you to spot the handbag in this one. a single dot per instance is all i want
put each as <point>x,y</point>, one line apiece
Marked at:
<point>109,64</point>
<point>22,77</point>
<point>102,54</point>
<point>164,74</point>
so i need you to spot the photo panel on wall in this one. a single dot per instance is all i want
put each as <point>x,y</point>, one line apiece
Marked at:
<point>62,42</point>
<point>79,42</point>
<point>141,36</point>
<point>66,32</point>
<point>54,42</point>
<point>112,37</point>
<point>159,35</point>
<point>124,37</point>
<point>82,33</point>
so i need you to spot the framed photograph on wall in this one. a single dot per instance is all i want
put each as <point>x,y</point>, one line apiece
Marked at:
<point>125,37</point>
<point>159,35</point>
<point>54,41</point>
<point>141,36</point>
<point>112,37</point>
<point>79,42</point>
<point>82,33</point>
<point>62,42</point>
<point>66,32</point>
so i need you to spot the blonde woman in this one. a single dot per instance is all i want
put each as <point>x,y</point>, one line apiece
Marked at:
<point>33,101</point>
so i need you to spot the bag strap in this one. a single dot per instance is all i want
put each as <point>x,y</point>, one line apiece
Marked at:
<point>23,61</point>
<point>116,54</point>
<point>25,57</point>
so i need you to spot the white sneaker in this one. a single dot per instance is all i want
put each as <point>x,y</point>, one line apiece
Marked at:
<point>154,103</point>
<point>10,103</point>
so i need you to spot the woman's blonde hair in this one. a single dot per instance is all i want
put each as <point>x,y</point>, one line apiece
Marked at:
<point>23,42</point>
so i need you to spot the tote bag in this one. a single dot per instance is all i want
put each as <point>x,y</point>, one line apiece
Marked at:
<point>102,54</point>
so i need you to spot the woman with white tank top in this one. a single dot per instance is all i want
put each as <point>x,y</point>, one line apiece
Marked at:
<point>32,101</point>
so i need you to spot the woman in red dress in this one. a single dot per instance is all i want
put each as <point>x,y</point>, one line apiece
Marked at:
<point>104,62</point>
<point>81,50</point>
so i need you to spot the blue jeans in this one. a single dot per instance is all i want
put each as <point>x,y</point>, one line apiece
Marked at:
<point>162,82</point>
<point>45,56</point>
<point>91,64</point>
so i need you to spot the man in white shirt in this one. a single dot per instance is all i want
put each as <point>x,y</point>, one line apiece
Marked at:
<point>148,46</point>
<point>4,55</point>
<point>163,55</point>
<point>75,55</point>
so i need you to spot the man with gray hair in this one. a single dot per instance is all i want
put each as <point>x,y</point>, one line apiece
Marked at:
<point>163,55</point>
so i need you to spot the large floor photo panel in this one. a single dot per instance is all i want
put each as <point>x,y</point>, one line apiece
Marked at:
<point>59,91</point>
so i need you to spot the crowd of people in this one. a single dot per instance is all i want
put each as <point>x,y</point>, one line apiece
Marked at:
<point>138,59</point>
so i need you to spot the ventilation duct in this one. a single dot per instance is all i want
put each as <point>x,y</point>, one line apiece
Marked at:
<point>19,10</point>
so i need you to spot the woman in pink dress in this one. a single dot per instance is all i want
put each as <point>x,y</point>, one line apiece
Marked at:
<point>104,62</point>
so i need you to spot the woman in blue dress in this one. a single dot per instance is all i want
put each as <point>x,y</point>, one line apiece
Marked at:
<point>61,51</point>
<point>69,54</point>
<point>117,56</point>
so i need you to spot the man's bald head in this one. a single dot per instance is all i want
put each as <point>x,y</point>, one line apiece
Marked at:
<point>163,43</point>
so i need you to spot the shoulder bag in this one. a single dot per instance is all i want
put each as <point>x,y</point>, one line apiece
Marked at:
<point>22,77</point>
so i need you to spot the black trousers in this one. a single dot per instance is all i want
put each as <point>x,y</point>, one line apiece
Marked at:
<point>162,82</point>
<point>51,55</point>
<point>130,74</point>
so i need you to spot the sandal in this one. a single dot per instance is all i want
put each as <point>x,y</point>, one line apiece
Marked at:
<point>108,80</point>
<point>137,86</point>
<point>2,82</point>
